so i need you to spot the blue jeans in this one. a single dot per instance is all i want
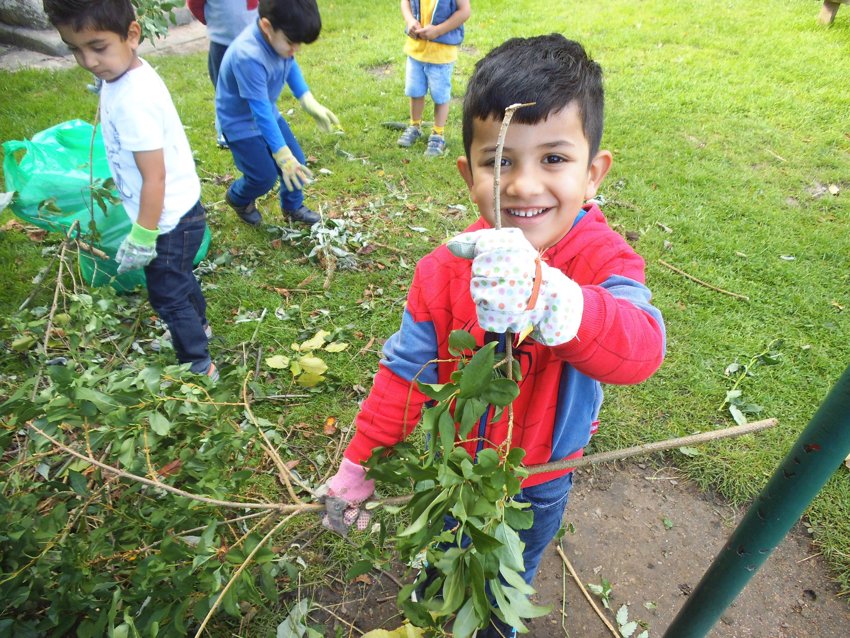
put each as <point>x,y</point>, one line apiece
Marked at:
<point>253,157</point>
<point>214,57</point>
<point>175,293</point>
<point>548,501</point>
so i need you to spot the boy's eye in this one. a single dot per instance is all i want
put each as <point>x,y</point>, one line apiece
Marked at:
<point>554,159</point>
<point>492,162</point>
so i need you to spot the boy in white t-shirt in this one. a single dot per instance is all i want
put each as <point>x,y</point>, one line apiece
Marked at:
<point>151,163</point>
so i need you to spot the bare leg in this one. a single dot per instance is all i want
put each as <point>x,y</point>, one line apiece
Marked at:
<point>827,12</point>
<point>417,107</point>
<point>441,114</point>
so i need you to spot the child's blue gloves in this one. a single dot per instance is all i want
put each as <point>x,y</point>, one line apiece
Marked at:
<point>325,119</point>
<point>514,290</point>
<point>295,174</point>
<point>137,250</point>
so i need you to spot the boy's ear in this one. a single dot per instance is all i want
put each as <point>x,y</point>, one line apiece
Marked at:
<point>596,172</point>
<point>134,34</point>
<point>266,27</point>
<point>465,170</point>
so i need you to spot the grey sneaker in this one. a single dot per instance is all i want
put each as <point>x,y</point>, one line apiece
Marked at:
<point>409,136</point>
<point>436,146</point>
<point>248,213</point>
<point>303,215</point>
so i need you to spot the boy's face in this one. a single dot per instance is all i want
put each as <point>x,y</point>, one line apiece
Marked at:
<point>277,40</point>
<point>103,53</point>
<point>545,176</point>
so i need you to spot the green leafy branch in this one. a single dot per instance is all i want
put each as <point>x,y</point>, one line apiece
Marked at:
<point>739,406</point>
<point>474,568</point>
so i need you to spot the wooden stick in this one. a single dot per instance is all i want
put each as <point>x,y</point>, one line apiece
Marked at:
<point>657,446</point>
<point>295,509</point>
<point>239,571</point>
<point>701,282</point>
<point>599,613</point>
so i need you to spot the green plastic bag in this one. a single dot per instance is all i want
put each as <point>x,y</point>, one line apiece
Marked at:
<point>55,166</point>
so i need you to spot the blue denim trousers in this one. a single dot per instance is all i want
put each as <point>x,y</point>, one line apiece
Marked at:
<point>214,57</point>
<point>548,502</point>
<point>253,157</point>
<point>175,293</point>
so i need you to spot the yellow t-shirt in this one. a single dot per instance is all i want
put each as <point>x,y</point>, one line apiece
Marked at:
<point>425,50</point>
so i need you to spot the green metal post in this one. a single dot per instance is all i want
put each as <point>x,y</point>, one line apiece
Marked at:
<point>816,454</point>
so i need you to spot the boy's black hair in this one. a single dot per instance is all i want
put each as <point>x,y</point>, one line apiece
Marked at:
<point>100,15</point>
<point>549,70</point>
<point>298,19</point>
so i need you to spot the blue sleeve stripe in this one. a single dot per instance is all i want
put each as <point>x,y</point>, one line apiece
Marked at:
<point>411,348</point>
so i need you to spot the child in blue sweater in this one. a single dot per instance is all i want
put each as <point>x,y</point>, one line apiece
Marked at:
<point>255,67</point>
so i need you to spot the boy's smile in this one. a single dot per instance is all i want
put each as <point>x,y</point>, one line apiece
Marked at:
<point>545,176</point>
<point>103,53</point>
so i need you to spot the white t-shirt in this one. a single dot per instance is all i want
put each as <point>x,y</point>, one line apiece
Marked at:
<point>137,114</point>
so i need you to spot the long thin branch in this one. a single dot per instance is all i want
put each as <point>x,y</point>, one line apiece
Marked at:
<point>295,509</point>
<point>285,474</point>
<point>657,446</point>
<point>599,613</point>
<point>239,571</point>
<point>701,282</point>
<point>497,209</point>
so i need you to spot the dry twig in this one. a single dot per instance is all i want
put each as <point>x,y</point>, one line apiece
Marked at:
<point>599,613</point>
<point>701,282</point>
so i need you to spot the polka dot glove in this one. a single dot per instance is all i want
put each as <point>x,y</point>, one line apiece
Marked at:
<point>343,495</point>
<point>513,289</point>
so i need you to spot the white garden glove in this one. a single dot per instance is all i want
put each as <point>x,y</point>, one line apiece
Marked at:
<point>325,119</point>
<point>504,269</point>
<point>137,250</point>
<point>295,174</point>
<point>343,495</point>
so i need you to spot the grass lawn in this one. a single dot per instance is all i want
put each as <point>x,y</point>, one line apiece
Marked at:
<point>731,139</point>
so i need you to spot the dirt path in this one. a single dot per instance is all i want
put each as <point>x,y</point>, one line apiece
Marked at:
<point>620,534</point>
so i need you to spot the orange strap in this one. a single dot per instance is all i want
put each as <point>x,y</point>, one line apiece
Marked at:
<point>535,287</point>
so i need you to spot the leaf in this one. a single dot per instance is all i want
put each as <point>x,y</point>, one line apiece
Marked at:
<point>315,342</point>
<point>309,380</point>
<point>461,341</point>
<point>736,413</point>
<point>628,629</point>
<point>330,426</point>
<point>336,346</point>
<point>466,621</point>
<point>668,524</point>
<point>501,392</point>
<point>159,423</point>
<point>437,391</point>
<point>277,362</point>
<point>476,375</point>
<point>312,365</point>
<point>294,626</point>
<point>483,542</point>
<point>622,616</point>
<point>689,451</point>
<point>357,569</point>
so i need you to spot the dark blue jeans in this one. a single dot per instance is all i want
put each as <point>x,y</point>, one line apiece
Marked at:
<point>253,157</point>
<point>214,57</point>
<point>175,293</point>
<point>548,501</point>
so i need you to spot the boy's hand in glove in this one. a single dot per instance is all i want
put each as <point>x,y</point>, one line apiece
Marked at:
<point>295,174</point>
<point>137,250</point>
<point>343,495</point>
<point>514,290</point>
<point>325,119</point>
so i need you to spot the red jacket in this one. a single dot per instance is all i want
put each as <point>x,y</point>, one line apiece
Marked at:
<point>621,340</point>
<point>196,7</point>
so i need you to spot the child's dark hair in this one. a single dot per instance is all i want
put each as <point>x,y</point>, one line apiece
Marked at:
<point>100,15</point>
<point>298,19</point>
<point>548,70</point>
